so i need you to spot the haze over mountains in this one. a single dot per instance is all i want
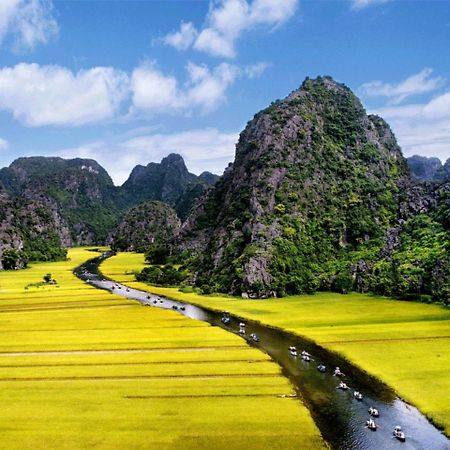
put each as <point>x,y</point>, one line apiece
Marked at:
<point>319,197</point>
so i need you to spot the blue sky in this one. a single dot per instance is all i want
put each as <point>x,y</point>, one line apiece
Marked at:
<point>127,82</point>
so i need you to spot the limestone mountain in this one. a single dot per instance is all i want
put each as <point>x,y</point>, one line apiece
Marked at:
<point>81,193</point>
<point>429,169</point>
<point>308,203</point>
<point>148,223</point>
<point>79,189</point>
<point>169,182</point>
<point>29,230</point>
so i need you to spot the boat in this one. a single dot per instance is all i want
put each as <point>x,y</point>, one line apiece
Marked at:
<point>337,372</point>
<point>371,425</point>
<point>175,307</point>
<point>342,386</point>
<point>399,434</point>
<point>322,368</point>
<point>374,412</point>
<point>358,396</point>
<point>225,320</point>
<point>305,353</point>
<point>182,308</point>
<point>254,337</point>
<point>306,358</point>
<point>293,350</point>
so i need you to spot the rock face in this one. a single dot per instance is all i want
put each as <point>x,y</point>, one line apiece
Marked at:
<point>79,191</point>
<point>29,230</point>
<point>80,194</point>
<point>312,194</point>
<point>146,224</point>
<point>169,182</point>
<point>428,169</point>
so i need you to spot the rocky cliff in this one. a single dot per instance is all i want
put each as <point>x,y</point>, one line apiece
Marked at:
<point>169,182</point>
<point>428,169</point>
<point>80,190</point>
<point>146,224</point>
<point>29,230</point>
<point>307,203</point>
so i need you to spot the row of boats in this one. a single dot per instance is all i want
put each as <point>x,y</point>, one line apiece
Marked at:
<point>373,412</point>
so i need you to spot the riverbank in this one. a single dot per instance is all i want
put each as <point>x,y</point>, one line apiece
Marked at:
<point>81,368</point>
<point>402,343</point>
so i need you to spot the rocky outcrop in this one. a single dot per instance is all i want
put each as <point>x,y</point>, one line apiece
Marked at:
<point>429,169</point>
<point>169,182</point>
<point>146,224</point>
<point>315,197</point>
<point>29,230</point>
<point>78,191</point>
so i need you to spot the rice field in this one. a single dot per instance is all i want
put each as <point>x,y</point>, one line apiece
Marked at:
<point>82,368</point>
<point>405,344</point>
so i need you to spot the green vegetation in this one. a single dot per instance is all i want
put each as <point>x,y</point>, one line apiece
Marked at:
<point>405,344</point>
<point>326,205</point>
<point>81,368</point>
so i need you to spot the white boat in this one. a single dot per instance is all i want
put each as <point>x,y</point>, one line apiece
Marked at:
<point>293,350</point>
<point>374,412</point>
<point>358,396</point>
<point>342,386</point>
<point>338,373</point>
<point>371,425</point>
<point>306,358</point>
<point>399,434</point>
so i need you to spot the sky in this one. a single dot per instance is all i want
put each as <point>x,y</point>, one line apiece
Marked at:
<point>128,82</point>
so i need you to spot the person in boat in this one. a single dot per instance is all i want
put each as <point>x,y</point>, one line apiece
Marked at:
<point>373,412</point>
<point>399,434</point>
<point>342,386</point>
<point>337,372</point>
<point>357,395</point>
<point>321,368</point>
<point>371,424</point>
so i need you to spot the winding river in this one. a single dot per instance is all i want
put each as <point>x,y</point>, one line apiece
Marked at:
<point>340,417</point>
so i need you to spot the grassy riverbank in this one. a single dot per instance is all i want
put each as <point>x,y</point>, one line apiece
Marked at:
<point>405,344</point>
<point>81,368</point>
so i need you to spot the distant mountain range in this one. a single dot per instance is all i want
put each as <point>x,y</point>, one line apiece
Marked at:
<point>429,169</point>
<point>83,205</point>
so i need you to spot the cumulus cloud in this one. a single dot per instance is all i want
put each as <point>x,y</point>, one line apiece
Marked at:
<point>53,95</point>
<point>3,144</point>
<point>226,21</point>
<point>182,39</point>
<point>204,89</point>
<point>418,83</point>
<point>360,4</point>
<point>203,149</point>
<point>256,70</point>
<point>28,22</point>
<point>422,129</point>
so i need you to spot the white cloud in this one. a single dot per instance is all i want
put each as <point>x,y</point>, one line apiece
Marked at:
<point>182,39</point>
<point>53,95</point>
<point>360,4</point>
<point>422,129</point>
<point>227,20</point>
<point>204,89</point>
<point>418,83</point>
<point>28,22</point>
<point>202,149</point>
<point>256,70</point>
<point>3,144</point>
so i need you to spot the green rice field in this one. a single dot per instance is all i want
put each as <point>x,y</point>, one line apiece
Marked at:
<point>405,344</point>
<point>82,368</point>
